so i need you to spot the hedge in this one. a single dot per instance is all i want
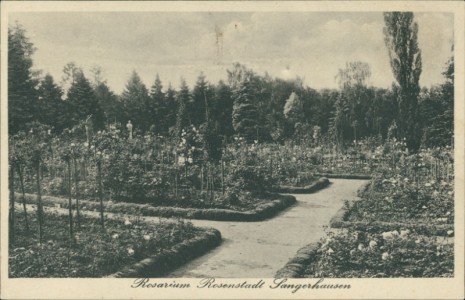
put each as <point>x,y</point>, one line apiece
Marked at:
<point>344,176</point>
<point>295,267</point>
<point>261,212</point>
<point>168,260</point>
<point>312,188</point>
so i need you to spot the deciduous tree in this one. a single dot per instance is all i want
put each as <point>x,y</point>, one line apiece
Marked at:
<point>400,36</point>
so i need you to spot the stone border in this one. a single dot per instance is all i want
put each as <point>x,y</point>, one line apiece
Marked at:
<point>344,176</point>
<point>162,263</point>
<point>338,221</point>
<point>261,212</point>
<point>295,267</point>
<point>312,188</point>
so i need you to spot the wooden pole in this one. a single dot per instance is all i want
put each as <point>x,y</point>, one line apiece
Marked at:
<point>222,176</point>
<point>21,182</point>
<point>40,212</point>
<point>100,190</point>
<point>76,187</point>
<point>12,200</point>
<point>70,203</point>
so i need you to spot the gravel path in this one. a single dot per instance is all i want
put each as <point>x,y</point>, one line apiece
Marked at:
<point>259,249</point>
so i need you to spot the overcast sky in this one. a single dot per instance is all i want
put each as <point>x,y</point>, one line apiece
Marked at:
<point>174,44</point>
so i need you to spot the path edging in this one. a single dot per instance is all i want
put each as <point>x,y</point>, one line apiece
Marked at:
<point>295,267</point>
<point>311,188</point>
<point>344,176</point>
<point>168,260</point>
<point>261,212</point>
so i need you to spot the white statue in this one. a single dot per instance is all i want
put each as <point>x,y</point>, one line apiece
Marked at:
<point>129,127</point>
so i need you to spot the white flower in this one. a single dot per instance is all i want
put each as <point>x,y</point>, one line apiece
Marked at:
<point>115,236</point>
<point>418,241</point>
<point>424,207</point>
<point>385,256</point>
<point>443,220</point>
<point>146,237</point>
<point>450,232</point>
<point>389,235</point>
<point>329,251</point>
<point>427,184</point>
<point>372,244</point>
<point>127,222</point>
<point>361,247</point>
<point>130,251</point>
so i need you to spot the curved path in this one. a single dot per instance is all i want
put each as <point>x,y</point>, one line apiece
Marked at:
<point>260,249</point>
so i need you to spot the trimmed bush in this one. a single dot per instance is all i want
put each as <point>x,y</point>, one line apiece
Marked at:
<point>312,188</point>
<point>296,266</point>
<point>344,176</point>
<point>261,212</point>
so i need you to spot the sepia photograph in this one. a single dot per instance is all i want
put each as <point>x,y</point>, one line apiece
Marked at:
<point>302,149</point>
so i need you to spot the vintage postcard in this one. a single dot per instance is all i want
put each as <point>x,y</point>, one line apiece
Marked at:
<point>232,150</point>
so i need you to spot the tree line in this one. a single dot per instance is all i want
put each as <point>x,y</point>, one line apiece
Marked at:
<point>256,107</point>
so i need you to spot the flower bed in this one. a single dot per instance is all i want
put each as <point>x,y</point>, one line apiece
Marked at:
<point>339,221</point>
<point>262,211</point>
<point>161,263</point>
<point>98,252</point>
<point>400,199</point>
<point>358,254</point>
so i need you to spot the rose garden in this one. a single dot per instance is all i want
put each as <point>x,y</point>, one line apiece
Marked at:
<point>166,182</point>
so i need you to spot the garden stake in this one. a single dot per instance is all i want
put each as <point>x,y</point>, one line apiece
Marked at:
<point>39,201</point>
<point>222,176</point>
<point>76,187</point>
<point>100,192</point>
<point>12,200</point>
<point>70,209</point>
<point>21,182</point>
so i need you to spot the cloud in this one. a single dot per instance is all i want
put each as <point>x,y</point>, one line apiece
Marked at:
<point>284,44</point>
